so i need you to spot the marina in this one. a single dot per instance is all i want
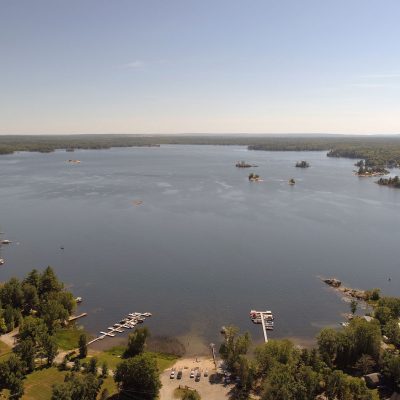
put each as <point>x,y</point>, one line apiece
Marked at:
<point>128,322</point>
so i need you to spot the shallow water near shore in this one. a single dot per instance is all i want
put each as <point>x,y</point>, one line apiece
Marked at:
<point>182,233</point>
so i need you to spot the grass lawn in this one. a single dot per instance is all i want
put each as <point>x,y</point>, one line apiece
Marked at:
<point>67,339</point>
<point>110,385</point>
<point>5,350</point>
<point>38,384</point>
<point>113,357</point>
<point>165,361</point>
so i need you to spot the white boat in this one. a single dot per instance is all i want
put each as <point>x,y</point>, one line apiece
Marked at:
<point>6,241</point>
<point>256,316</point>
<point>2,261</point>
<point>79,300</point>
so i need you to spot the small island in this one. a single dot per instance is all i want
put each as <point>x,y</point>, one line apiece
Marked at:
<point>393,182</point>
<point>302,164</point>
<point>243,164</point>
<point>292,181</point>
<point>365,171</point>
<point>254,177</point>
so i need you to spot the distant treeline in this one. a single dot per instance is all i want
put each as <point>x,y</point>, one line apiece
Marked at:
<point>376,151</point>
<point>383,152</point>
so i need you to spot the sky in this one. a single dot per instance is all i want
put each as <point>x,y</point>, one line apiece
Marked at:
<point>199,66</point>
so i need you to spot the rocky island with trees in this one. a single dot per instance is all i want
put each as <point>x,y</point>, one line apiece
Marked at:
<point>392,182</point>
<point>254,177</point>
<point>302,164</point>
<point>366,171</point>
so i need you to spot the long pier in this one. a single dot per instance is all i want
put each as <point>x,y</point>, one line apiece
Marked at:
<point>264,318</point>
<point>264,328</point>
<point>128,322</point>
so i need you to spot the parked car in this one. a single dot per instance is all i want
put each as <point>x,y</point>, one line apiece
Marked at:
<point>179,375</point>
<point>192,373</point>
<point>172,376</point>
<point>198,376</point>
<point>205,373</point>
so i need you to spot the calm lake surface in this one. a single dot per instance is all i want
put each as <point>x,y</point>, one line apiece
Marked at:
<point>206,245</point>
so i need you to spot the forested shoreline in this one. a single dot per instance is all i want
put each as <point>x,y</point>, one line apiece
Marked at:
<point>376,151</point>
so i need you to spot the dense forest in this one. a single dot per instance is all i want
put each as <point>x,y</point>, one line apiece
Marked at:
<point>376,151</point>
<point>39,306</point>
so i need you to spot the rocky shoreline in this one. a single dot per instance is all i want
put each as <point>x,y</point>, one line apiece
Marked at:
<point>336,284</point>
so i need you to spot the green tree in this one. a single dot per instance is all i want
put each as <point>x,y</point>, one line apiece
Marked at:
<point>49,282</point>
<point>31,298</point>
<point>33,279</point>
<point>391,369</point>
<point>77,365</point>
<point>77,387</point>
<point>344,387</point>
<point>383,314</point>
<point>3,325</point>
<point>353,306</point>
<point>32,328</point>
<point>26,350</point>
<point>82,345</point>
<point>191,395</point>
<point>104,369</point>
<point>92,366</point>
<point>50,349</point>
<point>269,354</point>
<point>11,294</point>
<point>328,341</point>
<point>139,374</point>
<point>392,331</point>
<point>11,373</point>
<point>136,342</point>
<point>53,314</point>
<point>280,384</point>
<point>233,347</point>
<point>365,364</point>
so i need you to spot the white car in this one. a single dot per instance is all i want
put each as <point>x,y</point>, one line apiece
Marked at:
<point>172,376</point>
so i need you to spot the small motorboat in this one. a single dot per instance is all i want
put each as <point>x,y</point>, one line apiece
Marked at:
<point>2,261</point>
<point>6,241</point>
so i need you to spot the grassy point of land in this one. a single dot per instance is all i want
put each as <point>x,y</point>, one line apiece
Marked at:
<point>113,357</point>
<point>67,339</point>
<point>38,384</point>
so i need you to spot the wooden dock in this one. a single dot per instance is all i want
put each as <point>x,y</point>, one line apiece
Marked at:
<point>128,322</point>
<point>265,318</point>
<point>75,317</point>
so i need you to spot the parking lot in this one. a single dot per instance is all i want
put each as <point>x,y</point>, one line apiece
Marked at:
<point>210,387</point>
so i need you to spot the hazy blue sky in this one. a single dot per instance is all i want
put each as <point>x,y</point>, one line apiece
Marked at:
<point>147,66</point>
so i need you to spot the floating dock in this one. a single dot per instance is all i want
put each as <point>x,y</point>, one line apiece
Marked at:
<point>265,318</point>
<point>128,322</point>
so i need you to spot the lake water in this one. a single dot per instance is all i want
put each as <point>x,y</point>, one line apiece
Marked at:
<point>206,245</point>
